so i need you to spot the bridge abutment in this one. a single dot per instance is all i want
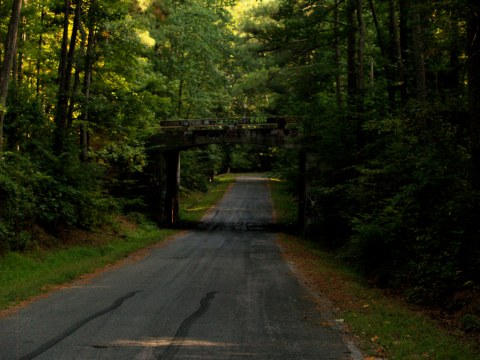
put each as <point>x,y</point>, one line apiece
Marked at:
<point>172,164</point>
<point>173,136</point>
<point>163,182</point>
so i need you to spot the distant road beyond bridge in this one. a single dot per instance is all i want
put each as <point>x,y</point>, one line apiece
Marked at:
<point>174,136</point>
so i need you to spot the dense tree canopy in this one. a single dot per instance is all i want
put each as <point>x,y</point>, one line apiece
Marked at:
<point>388,91</point>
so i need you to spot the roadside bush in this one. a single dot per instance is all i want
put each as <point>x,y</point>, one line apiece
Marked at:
<point>413,224</point>
<point>17,199</point>
<point>70,194</point>
<point>198,167</point>
<point>393,198</point>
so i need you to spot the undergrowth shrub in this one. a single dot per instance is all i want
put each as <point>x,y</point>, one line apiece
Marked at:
<point>66,192</point>
<point>17,199</point>
<point>413,226</point>
<point>395,199</point>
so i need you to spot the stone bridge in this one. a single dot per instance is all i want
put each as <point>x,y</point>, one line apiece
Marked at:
<point>184,134</point>
<point>175,135</point>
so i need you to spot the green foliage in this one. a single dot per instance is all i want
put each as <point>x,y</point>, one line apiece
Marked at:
<point>194,205</point>
<point>64,193</point>
<point>388,172</point>
<point>286,213</point>
<point>251,158</point>
<point>23,275</point>
<point>27,274</point>
<point>412,221</point>
<point>72,195</point>
<point>199,167</point>
<point>194,51</point>
<point>18,209</point>
<point>384,325</point>
<point>470,323</point>
<point>150,60</point>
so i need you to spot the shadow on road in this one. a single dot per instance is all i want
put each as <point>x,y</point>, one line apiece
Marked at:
<point>239,226</point>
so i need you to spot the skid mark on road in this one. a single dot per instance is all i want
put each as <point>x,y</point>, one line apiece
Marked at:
<point>182,331</point>
<point>51,343</point>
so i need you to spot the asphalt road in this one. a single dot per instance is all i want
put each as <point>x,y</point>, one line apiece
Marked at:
<point>219,292</point>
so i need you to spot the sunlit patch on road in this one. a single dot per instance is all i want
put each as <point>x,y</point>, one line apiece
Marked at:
<point>164,342</point>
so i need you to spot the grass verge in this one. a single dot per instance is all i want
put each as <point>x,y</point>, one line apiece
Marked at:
<point>193,204</point>
<point>383,326</point>
<point>29,274</point>
<point>286,210</point>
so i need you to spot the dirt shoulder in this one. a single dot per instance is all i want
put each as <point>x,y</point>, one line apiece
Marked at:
<point>382,325</point>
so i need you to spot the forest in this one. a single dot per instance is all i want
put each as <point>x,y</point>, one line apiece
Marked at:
<point>388,92</point>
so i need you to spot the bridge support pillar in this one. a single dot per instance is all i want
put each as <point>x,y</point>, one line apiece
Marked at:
<point>172,162</point>
<point>161,190</point>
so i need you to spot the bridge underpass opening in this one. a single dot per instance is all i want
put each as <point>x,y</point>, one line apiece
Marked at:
<point>174,136</point>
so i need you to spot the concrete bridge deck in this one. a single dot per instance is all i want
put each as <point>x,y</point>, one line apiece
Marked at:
<point>174,136</point>
<point>186,133</point>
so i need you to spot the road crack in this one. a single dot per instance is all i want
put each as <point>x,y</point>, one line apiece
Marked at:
<point>184,328</point>
<point>51,343</point>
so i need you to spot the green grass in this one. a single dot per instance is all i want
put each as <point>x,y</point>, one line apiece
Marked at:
<point>24,275</point>
<point>384,326</point>
<point>193,205</point>
<point>407,334</point>
<point>286,209</point>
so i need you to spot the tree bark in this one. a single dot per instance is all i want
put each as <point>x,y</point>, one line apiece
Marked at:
<point>76,80</point>
<point>360,54</point>
<point>404,34</point>
<point>337,56</point>
<point>40,52</point>
<point>377,26</point>
<point>65,74</point>
<point>453,76</point>
<point>473,69</point>
<point>62,75</point>
<point>10,50</point>
<point>23,39</point>
<point>418,56</point>
<point>89,62</point>
<point>395,54</point>
<point>387,51</point>
<point>351,53</point>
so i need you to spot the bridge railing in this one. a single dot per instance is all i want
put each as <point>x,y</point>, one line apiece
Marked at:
<point>263,121</point>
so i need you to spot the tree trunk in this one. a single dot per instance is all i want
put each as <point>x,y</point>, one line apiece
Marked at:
<point>62,100</point>
<point>10,49</point>
<point>418,56</point>
<point>377,26</point>
<point>360,54</point>
<point>73,97</point>
<point>388,53</point>
<point>40,52</point>
<point>404,32</point>
<point>351,53</point>
<point>65,73</point>
<point>338,76</point>
<point>76,79</point>
<point>395,55</point>
<point>180,96</point>
<point>453,76</point>
<point>23,39</point>
<point>89,62</point>
<point>473,33</point>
